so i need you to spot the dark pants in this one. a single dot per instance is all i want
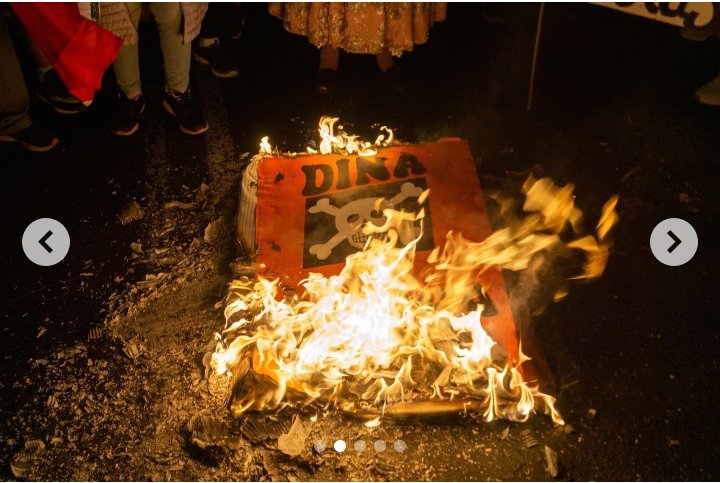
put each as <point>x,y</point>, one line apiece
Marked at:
<point>13,93</point>
<point>220,20</point>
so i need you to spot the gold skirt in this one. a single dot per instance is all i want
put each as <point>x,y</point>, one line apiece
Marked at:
<point>361,27</point>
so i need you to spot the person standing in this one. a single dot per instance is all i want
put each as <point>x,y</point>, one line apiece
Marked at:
<point>208,48</point>
<point>178,24</point>
<point>382,29</point>
<point>15,124</point>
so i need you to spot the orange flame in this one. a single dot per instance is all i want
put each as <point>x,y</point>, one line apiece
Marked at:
<point>376,334</point>
<point>335,140</point>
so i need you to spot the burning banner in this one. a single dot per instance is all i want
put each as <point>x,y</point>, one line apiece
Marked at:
<point>380,287</point>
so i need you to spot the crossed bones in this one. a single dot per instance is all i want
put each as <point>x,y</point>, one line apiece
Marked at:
<point>350,218</point>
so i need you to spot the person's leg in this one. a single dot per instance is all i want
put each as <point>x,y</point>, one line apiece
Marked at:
<point>15,124</point>
<point>177,100</point>
<point>207,49</point>
<point>51,89</point>
<point>13,93</point>
<point>391,78</point>
<point>233,21</point>
<point>176,52</point>
<point>329,58</point>
<point>212,23</point>
<point>327,68</point>
<point>42,64</point>
<point>384,60</point>
<point>131,103</point>
<point>126,65</point>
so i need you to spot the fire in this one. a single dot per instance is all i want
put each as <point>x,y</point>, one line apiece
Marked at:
<point>337,141</point>
<point>265,147</point>
<point>342,143</point>
<point>378,335</point>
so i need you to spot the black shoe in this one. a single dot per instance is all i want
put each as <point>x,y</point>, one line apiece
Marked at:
<point>33,138</point>
<point>127,115</point>
<point>220,62</point>
<point>325,82</point>
<point>53,92</point>
<point>187,111</point>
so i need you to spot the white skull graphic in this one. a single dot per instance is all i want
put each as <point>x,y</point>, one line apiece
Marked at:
<point>350,218</point>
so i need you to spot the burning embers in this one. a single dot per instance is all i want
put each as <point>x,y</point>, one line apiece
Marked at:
<point>382,337</point>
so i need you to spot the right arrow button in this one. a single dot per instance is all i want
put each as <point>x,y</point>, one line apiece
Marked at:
<point>684,242</point>
<point>676,241</point>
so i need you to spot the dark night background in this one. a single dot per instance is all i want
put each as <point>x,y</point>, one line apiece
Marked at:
<point>613,113</point>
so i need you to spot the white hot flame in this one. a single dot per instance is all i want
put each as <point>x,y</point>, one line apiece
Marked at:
<point>265,147</point>
<point>338,141</point>
<point>377,335</point>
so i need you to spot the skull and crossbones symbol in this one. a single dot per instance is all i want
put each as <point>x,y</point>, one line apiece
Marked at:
<point>350,218</point>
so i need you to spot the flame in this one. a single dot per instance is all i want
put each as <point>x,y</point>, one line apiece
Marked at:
<point>334,140</point>
<point>343,143</point>
<point>377,335</point>
<point>265,147</point>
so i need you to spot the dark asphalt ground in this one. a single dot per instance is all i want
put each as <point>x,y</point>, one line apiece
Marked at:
<point>614,113</point>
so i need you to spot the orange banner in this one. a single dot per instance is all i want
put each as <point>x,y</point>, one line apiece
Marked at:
<point>310,209</point>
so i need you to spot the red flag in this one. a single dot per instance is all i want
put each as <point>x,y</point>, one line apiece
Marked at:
<point>79,49</point>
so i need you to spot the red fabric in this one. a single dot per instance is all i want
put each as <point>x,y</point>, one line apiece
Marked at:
<point>79,49</point>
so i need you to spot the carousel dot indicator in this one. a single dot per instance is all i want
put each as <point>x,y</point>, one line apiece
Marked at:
<point>360,446</point>
<point>319,446</point>
<point>380,446</point>
<point>400,446</point>
<point>340,446</point>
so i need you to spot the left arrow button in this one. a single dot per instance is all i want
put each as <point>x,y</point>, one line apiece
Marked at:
<point>38,238</point>
<point>43,241</point>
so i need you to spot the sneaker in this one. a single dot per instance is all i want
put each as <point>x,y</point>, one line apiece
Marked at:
<point>709,94</point>
<point>34,138</point>
<point>187,111</point>
<point>127,115</point>
<point>53,92</point>
<point>221,63</point>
